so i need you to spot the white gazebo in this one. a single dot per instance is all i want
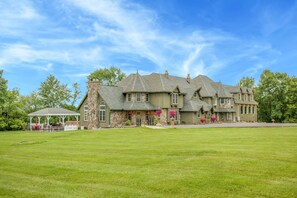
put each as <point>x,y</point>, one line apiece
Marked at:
<point>52,112</point>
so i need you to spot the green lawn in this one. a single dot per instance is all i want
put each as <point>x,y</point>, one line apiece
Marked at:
<point>140,162</point>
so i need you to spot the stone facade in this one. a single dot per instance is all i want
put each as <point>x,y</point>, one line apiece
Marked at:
<point>117,118</point>
<point>93,104</point>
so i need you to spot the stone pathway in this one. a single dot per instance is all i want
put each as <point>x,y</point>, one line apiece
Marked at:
<point>231,125</point>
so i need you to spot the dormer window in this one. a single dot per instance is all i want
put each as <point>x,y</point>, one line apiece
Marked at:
<point>222,101</point>
<point>129,97</point>
<point>138,97</point>
<point>195,95</point>
<point>146,97</point>
<point>174,98</point>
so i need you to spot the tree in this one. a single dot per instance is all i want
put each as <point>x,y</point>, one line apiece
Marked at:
<point>291,101</point>
<point>248,82</point>
<point>75,93</point>
<point>271,96</point>
<point>106,76</point>
<point>3,89</point>
<point>54,94</point>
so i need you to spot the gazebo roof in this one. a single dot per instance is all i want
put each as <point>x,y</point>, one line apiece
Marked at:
<point>53,112</point>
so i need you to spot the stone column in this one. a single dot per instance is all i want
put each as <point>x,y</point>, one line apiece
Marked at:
<point>93,104</point>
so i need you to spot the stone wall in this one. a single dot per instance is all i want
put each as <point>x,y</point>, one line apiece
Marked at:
<point>93,87</point>
<point>117,118</point>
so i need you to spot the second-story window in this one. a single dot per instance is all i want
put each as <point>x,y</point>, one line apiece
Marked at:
<point>86,108</point>
<point>129,97</point>
<point>222,100</point>
<point>146,97</point>
<point>138,97</point>
<point>174,98</point>
<point>241,109</point>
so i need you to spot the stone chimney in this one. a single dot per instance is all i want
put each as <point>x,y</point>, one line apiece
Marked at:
<point>93,104</point>
<point>166,74</point>
<point>188,78</point>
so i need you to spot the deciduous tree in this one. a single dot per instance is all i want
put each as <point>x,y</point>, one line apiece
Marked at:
<point>106,76</point>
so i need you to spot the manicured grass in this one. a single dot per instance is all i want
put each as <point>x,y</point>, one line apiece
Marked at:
<point>140,162</point>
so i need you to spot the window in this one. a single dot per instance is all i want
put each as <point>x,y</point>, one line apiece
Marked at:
<point>245,110</point>
<point>86,108</point>
<point>253,110</point>
<point>222,100</point>
<point>195,94</point>
<point>138,97</point>
<point>129,97</point>
<point>102,113</point>
<point>174,98</point>
<point>250,111</point>
<point>146,97</point>
<point>215,101</point>
<point>241,109</point>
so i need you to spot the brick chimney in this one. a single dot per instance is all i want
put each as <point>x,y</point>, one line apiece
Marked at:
<point>188,78</point>
<point>166,74</point>
<point>93,104</point>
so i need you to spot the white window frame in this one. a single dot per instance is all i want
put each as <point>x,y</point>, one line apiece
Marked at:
<point>147,97</point>
<point>102,113</point>
<point>138,94</point>
<point>86,109</point>
<point>174,99</point>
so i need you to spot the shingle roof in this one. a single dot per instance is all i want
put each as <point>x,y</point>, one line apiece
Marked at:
<point>245,102</point>
<point>113,96</point>
<point>139,106</point>
<point>136,83</point>
<point>53,112</point>
<point>224,110</point>
<point>205,83</point>
<point>222,92</point>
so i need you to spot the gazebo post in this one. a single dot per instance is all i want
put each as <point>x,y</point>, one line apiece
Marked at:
<point>76,118</point>
<point>48,118</point>
<point>63,119</point>
<point>30,123</point>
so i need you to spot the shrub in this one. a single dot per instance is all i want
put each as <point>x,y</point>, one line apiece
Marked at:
<point>128,122</point>
<point>156,120</point>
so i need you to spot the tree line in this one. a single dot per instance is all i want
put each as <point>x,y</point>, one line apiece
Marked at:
<point>276,94</point>
<point>14,107</point>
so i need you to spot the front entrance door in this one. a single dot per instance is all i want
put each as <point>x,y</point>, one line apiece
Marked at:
<point>138,119</point>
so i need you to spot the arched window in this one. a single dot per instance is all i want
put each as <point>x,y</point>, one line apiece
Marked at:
<point>102,113</point>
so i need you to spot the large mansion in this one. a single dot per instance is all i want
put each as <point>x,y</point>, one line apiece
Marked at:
<point>137,97</point>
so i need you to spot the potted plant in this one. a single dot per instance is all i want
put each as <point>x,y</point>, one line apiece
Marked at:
<point>158,113</point>
<point>172,114</point>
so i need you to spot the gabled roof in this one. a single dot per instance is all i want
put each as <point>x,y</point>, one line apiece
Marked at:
<point>222,92</point>
<point>53,112</point>
<point>205,84</point>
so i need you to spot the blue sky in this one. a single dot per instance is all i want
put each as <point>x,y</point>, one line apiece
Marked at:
<point>225,39</point>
